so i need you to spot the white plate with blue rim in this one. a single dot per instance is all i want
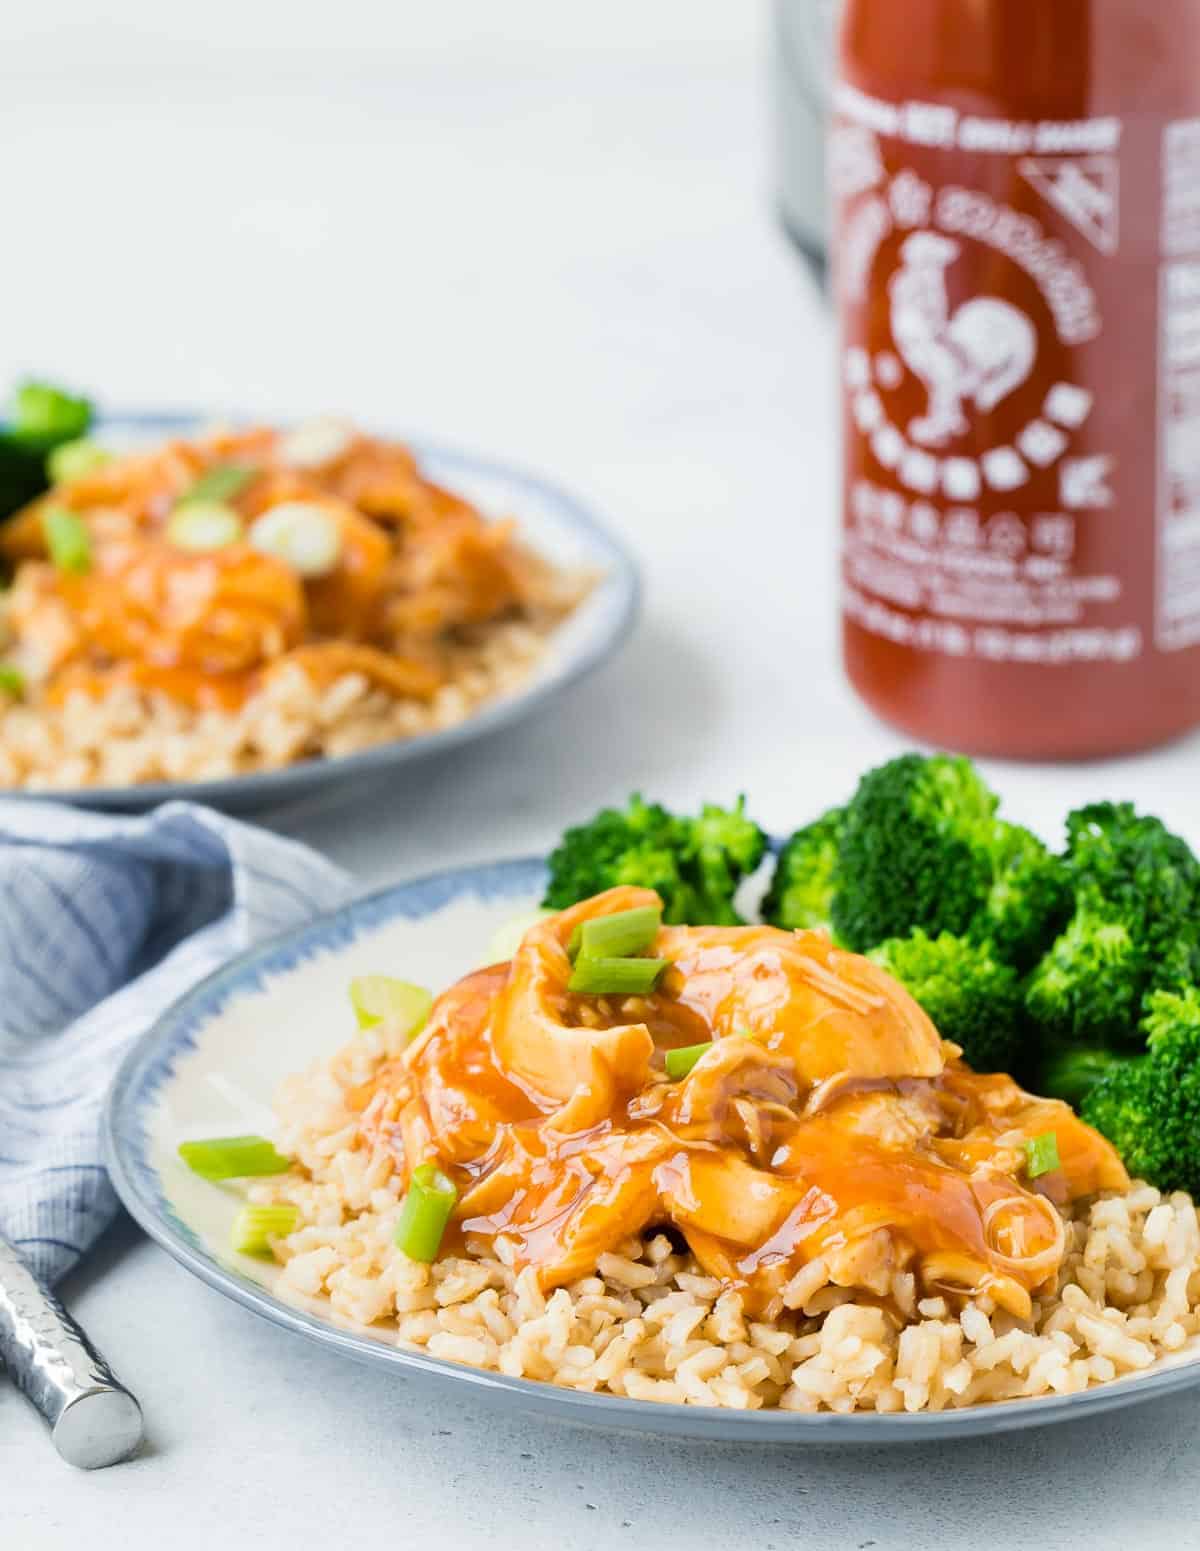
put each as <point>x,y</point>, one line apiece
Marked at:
<point>212,1064</point>
<point>554,522</point>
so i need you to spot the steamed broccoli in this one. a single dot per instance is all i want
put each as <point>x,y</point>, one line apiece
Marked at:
<point>43,417</point>
<point>971,997</point>
<point>921,846</point>
<point>801,892</point>
<point>1135,928</point>
<point>1149,1106</point>
<point>1072,1071</point>
<point>695,864</point>
<point>1029,900</point>
<point>913,851</point>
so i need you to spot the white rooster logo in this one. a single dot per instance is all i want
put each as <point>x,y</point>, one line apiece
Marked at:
<point>977,356</point>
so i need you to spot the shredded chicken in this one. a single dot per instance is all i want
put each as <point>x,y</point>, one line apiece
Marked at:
<point>415,567</point>
<point>826,1119</point>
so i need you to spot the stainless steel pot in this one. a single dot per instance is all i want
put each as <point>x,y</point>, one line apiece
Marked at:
<point>803,54</point>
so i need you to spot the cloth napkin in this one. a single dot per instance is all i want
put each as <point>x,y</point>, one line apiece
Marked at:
<point>104,922</point>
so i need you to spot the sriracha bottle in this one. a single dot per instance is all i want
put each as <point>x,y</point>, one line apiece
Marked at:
<point>1016,189</point>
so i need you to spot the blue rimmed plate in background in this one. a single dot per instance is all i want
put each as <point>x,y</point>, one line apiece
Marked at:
<point>212,1064</point>
<point>554,522</point>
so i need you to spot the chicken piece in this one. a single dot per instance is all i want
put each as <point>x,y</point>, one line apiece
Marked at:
<point>560,1061</point>
<point>461,572</point>
<point>222,611</point>
<point>348,602</point>
<point>324,661</point>
<point>122,499</point>
<point>831,1013</point>
<point>562,1208</point>
<point>725,1197</point>
<point>452,1097</point>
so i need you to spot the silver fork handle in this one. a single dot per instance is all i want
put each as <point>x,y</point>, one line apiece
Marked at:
<point>93,1419</point>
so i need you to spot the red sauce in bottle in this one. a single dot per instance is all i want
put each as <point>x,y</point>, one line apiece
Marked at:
<point>1017,266</point>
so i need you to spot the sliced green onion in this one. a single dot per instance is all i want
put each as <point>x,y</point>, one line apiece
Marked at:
<point>680,1062</point>
<point>615,977</point>
<point>427,1206</point>
<point>72,460</point>
<point>1041,1155</point>
<point>617,936</point>
<point>233,1157</point>
<point>68,540</point>
<point>301,534</point>
<point>12,680</point>
<point>314,443</point>
<point>255,1226</point>
<point>379,998</point>
<point>223,482</point>
<point>203,525</point>
<point>509,937</point>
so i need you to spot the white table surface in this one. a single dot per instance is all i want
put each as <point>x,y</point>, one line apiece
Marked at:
<point>546,236</point>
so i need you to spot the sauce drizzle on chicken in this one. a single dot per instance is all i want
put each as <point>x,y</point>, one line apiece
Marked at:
<point>828,1119</point>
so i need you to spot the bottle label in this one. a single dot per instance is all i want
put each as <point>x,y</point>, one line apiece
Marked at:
<point>991,366</point>
<point>1178,614</point>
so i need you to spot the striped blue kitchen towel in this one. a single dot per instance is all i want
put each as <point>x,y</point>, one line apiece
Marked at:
<point>103,923</point>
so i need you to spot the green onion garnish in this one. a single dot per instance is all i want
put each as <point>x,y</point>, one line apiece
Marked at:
<point>223,482</point>
<point>204,525</point>
<point>233,1157</point>
<point>617,936</point>
<point>379,998</point>
<point>428,1203</point>
<point>615,977</point>
<point>12,680</point>
<point>1041,1155</point>
<point>680,1062</point>
<point>68,540</point>
<point>254,1226</point>
<point>72,460</point>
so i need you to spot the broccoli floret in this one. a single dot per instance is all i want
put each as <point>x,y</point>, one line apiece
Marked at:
<point>695,864</point>
<point>1074,1070</point>
<point>42,418</point>
<point>1149,1107</point>
<point>915,851</point>
<point>1135,928</point>
<point>801,892</point>
<point>1029,901</point>
<point>45,415</point>
<point>971,997</point>
<point>724,846</point>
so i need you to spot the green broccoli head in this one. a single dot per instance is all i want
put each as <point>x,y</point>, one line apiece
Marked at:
<point>1089,987</point>
<point>915,851</point>
<point>1072,1071</point>
<point>1149,1107</point>
<point>724,846</point>
<point>44,415</point>
<point>42,418</point>
<point>695,864</point>
<point>1149,880</point>
<point>1135,928</point>
<point>1029,901</point>
<point>971,996</point>
<point>801,892</point>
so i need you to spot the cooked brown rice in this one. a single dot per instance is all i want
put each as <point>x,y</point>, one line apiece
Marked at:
<point>131,736</point>
<point>651,1326</point>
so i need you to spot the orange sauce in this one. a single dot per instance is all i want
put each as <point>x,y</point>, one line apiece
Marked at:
<point>565,1137</point>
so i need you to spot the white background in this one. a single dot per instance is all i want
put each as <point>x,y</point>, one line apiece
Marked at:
<point>542,230</point>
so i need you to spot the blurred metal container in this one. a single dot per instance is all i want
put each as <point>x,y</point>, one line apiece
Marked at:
<point>803,54</point>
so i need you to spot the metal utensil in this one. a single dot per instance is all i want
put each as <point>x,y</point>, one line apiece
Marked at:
<point>94,1420</point>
